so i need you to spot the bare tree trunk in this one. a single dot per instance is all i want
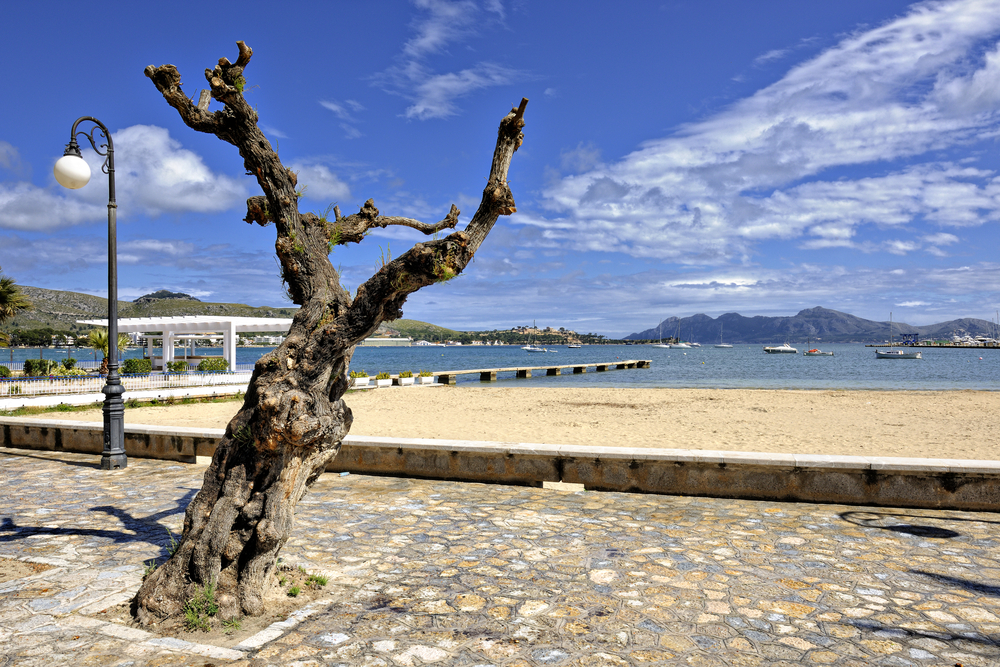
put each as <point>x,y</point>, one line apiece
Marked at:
<point>293,419</point>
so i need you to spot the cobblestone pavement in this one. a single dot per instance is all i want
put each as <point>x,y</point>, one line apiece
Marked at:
<point>429,572</point>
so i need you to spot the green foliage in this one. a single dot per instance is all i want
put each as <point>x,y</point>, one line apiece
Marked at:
<point>68,363</point>
<point>316,581</point>
<point>172,547</point>
<point>294,591</point>
<point>282,580</point>
<point>39,367</point>
<point>232,625</point>
<point>426,374</point>
<point>201,608</point>
<point>5,372</point>
<point>406,374</point>
<point>132,403</point>
<point>177,366</point>
<point>385,256</point>
<point>382,376</point>
<point>137,366</point>
<point>214,364</point>
<point>150,568</point>
<point>14,390</point>
<point>239,83</point>
<point>359,374</point>
<point>243,436</point>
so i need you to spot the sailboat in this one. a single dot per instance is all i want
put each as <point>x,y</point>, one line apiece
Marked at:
<point>531,347</point>
<point>659,341</point>
<point>679,344</point>
<point>896,354</point>
<point>721,344</point>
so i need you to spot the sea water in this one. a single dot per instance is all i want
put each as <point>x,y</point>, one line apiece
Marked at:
<point>740,367</point>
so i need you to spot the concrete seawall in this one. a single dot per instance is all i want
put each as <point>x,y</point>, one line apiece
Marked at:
<point>893,482</point>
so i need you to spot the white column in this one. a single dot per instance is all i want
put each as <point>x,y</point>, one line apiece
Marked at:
<point>168,347</point>
<point>229,344</point>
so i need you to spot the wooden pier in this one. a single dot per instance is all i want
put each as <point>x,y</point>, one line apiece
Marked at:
<point>490,374</point>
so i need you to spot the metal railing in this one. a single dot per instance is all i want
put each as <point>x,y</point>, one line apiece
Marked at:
<point>30,386</point>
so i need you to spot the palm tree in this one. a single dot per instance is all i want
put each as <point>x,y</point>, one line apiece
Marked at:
<point>12,302</point>
<point>98,339</point>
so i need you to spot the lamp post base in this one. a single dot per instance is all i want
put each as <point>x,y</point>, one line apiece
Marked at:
<point>113,456</point>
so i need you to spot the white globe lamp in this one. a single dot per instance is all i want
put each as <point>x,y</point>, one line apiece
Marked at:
<point>72,171</point>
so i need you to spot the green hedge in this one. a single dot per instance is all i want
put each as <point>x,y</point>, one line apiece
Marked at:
<point>178,366</point>
<point>4,372</point>
<point>214,364</point>
<point>137,366</point>
<point>39,367</point>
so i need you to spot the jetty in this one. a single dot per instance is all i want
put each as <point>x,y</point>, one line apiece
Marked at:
<point>490,374</point>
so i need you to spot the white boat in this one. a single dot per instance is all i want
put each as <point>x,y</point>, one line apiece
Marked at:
<point>721,344</point>
<point>679,344</point>
<point>531,347</point>
<point>659,341</point>
<point>784,348</point>
<point>574,346</point>
<point>816,353</point>
<point>896,354</point>
<point>694,344</point>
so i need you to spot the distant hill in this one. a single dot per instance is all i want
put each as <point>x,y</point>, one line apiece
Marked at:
<point>61,310</point>
<point>164,294</point>
<point>815,323</point>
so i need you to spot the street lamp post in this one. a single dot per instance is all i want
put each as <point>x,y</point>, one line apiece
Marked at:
<point>73,172</point>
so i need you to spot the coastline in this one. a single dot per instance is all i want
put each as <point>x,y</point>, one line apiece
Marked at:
<point>953,424</point>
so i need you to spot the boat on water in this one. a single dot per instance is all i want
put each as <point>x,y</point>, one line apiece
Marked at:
<point>784,348</point>
<point>680,345</point>
<point>574,346</point>
<point>532,347</point>
<point>896,354</point>
<point>721,344</point>
<point>815,352</point>
<point>659,341</point>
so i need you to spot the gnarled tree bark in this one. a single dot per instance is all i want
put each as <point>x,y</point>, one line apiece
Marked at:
<point>294,418</point>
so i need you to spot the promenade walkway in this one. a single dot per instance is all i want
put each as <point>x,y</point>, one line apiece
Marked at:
<point>445,573</point>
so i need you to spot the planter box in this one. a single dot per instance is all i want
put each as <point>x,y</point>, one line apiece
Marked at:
<point>405,381</point>
<point>384,383</point>
<point>426,379</point>
<point>361,382</point>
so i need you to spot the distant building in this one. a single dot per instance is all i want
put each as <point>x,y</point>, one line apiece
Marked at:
<point>386,342</point>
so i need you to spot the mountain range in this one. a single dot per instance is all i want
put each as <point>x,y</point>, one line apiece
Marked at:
<point>813,323</point>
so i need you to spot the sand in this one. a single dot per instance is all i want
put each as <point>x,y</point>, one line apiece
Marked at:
<point>932,424</point>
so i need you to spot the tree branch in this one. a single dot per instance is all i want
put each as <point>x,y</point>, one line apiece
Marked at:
<point>353,228</point>
<point>382,296</point>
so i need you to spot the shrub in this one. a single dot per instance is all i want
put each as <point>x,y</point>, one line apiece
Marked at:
<point>426,374</point>
<point>406,374</point>
<point>177,366</point>
<point>382,376</point>
<point>137,366</point>
<point>359,374</point>
<point>4,372</point>
<point>68,363</point>
<point>38,367</point>
<point>213,364</point>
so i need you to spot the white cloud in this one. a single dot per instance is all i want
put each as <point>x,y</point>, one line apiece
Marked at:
<point>433,94</point>
<point>774,54</point>
<point>710,192</point>
<point>9,158</point>
<point>337,109</point>
<point>153,175</point>
<point>321,183</point>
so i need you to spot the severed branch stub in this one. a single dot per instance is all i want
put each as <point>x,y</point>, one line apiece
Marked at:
<point>293,418</point>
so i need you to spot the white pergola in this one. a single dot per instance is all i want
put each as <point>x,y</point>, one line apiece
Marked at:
<point>188,327</point>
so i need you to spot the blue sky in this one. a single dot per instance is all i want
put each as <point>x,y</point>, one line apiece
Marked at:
<point>679,157</point>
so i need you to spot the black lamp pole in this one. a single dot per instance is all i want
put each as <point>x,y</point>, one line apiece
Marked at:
<point>113,456</point>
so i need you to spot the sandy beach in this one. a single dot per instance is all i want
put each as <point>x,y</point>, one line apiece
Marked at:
<point>933,424</point>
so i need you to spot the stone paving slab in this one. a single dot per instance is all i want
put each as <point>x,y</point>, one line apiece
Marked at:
<point>445,573</point>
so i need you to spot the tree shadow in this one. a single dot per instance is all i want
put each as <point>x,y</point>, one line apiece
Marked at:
<point>139,526</point>
<point>973,637</point>
<point>891,521</point>
<point>967,584</point>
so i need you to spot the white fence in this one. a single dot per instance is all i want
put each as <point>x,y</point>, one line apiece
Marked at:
<point>22,386</point>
